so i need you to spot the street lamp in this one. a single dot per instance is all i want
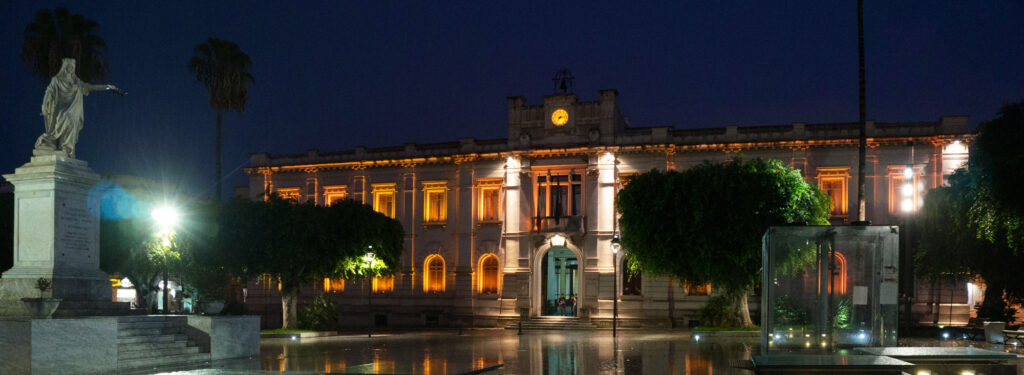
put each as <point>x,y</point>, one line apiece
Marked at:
<point>166,219</point>
<point>616,245</point>
<point>368,260</point>
<point>907,190</point>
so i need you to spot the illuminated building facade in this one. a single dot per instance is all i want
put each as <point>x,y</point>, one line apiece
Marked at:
<point>502,229</point>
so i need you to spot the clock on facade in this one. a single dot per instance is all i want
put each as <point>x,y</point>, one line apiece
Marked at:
<point>559,117</point>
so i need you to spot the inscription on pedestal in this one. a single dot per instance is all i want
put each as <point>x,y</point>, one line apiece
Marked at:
<point>76,224</point>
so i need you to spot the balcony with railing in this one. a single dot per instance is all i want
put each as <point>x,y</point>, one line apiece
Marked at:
<point>562,224</point>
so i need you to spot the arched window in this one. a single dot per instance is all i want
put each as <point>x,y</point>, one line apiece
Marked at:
<point>631,280</point>
<point>840,279</point>
<point>433,278</point>
<point>488,274</point>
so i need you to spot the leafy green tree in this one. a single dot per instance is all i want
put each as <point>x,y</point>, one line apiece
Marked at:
<point>56,35</point>
<point>995,165</point>
<point>302,243</point>
<point>223,69</point>
<point>947,248</point>
<point>942,246</point>
<point>704,225</point>
<point>124,249</point>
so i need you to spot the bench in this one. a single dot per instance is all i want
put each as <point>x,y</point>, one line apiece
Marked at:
<point>1013,335</point>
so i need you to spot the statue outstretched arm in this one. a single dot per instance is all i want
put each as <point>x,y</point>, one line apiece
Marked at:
<point>100,87</point>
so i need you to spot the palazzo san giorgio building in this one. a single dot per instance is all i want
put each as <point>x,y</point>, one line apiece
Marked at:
<point>497,230</point>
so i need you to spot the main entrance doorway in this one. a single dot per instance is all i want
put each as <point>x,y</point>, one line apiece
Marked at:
<point>559,282</point>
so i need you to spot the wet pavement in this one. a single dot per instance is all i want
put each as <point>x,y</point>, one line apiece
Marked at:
<point>554,352</point>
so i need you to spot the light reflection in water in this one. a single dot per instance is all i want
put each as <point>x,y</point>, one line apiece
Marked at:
<point>566,352</point>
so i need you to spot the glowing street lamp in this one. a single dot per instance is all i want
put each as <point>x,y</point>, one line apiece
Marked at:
<point>368,261</point>
<point>907,191</point>
<point>166,219</point>
<point>616,246</point>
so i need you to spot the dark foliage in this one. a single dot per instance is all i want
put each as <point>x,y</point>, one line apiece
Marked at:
<point>52,36</point>
<point>223,69</point>
<point>321,315</point>
<point>705,224</point>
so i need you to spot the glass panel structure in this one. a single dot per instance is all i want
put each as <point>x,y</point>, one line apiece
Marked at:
<point>829,287</point>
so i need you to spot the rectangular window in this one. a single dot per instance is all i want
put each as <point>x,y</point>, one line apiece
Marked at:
<point>384,199</point>
<point>832,181</point>
<point>335,193</point>
<point>559,195</point>
<point>697,289</point>
<point>383,284</point>
<point>435,202</point>
<point>905,195</point>
<point>489,200</point>
<point>334,285</point>
<point>292,194</point>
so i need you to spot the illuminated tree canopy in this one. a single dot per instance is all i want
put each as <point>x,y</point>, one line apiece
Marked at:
<point>705,224</point>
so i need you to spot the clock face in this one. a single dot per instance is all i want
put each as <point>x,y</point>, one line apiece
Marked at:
<point>559,117</point>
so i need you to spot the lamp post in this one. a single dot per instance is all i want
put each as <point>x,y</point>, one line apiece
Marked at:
<point>616,245</point>
<point>369,258</point>
<point>166,219</point>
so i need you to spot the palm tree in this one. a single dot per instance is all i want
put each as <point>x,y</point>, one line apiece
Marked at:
<point>224,69</point>
<point>862,151</point>
<point>52,36</point>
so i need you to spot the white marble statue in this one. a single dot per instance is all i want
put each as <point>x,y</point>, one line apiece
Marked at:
<point>62,110</point>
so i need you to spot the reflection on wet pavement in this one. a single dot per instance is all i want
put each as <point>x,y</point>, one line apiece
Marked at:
<point>555,352</point>
<point>560,352</point>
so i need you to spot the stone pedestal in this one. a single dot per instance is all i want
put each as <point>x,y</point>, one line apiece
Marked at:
<point>56,232</point>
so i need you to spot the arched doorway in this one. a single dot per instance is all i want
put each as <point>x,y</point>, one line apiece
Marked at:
<point>559,282</point>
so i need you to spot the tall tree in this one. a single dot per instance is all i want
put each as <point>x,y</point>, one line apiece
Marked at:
<point>704,225</point>
<point>300,244</point>
<point>56,35</point>
<point>223,68</point>
<point>862,148</point>
<point>996,164</point>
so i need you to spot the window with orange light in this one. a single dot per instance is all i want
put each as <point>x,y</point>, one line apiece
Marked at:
<point>268,281</point>
<point>489,200</point>
<point>334,285</point>
<point>435,202</point>
<point>384,199</point>
<point>832,182</point>
<point>693,289</point>
<point>383,284</point>
<point>433,278</point>
<point>335,193</point>
<point>904,195</point>
<point>292,194</point>
<point>489,274</point>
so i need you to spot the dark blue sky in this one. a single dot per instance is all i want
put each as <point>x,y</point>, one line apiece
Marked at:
<point>335,75</point>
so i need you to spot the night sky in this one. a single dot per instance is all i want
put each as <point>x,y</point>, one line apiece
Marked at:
<point>335,75</point>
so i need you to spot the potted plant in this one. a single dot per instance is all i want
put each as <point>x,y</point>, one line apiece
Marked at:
<point>42,308</point>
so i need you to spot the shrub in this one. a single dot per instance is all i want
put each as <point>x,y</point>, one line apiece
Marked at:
<point>322,315</point>
<point>790,313</point>
<point>719,312</point>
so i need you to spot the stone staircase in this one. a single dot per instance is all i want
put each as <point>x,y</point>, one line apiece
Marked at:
<point>72,309</point>
<point>553,323</point>
<point>151,341</point>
